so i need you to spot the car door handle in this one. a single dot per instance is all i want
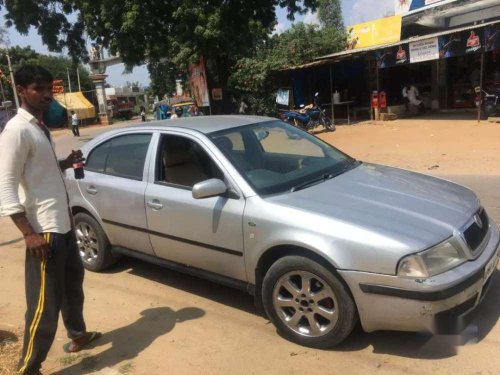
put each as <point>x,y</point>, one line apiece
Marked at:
<point>91,190</point>
<point>155,204</point>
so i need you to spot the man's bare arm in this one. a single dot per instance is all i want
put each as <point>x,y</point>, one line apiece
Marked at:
<point>35,243</point>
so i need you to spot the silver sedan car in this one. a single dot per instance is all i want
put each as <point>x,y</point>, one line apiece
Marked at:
<point>320,239</point>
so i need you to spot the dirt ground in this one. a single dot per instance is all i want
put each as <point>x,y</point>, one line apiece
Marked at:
<point>157,321</point>
<point>448,145</point>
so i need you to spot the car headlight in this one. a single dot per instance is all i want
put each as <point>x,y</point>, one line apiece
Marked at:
<point>431,262</point>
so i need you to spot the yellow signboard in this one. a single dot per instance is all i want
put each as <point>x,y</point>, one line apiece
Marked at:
<point>368,34</point>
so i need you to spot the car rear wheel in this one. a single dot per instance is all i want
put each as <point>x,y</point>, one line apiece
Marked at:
<point>93,244</point>
<point>308,303</point>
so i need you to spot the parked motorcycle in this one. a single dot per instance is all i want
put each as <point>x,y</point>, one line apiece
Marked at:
<point>308,117</point>
<point>489,101</point>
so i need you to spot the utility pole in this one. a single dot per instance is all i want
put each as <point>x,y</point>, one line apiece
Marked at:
<point>69,80</point>
<point>78,76</point>
<point>1,88</point>
<point>12,80</point>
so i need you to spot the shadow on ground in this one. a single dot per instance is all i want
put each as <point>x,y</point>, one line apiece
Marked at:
<point>129,341</point>
<point>404,344</point>
<point>190,284</point>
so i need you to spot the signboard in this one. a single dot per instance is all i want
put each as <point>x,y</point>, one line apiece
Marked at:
<point>461,43</point>
<point>283,97</point>
<point>198,83</point>
<point>424,50</point>
<point>492,37</point>
<point>368,34</point>
<point>404,7</point>
<point>217,94</point>
<point>393,56</point>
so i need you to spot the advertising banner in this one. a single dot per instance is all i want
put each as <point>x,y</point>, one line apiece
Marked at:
<point>198,83</point>
<point>393,56</point>
<point>492,37</point>
<point>461,43</point>
<point>368,34</point>
<point>404,7</point>
<point>424,50</point>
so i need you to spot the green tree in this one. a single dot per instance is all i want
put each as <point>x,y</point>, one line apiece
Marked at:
<point>181,31</point>
<point>252,79</point>
<point>162,75</point>
<point>330,14</point>
<point>57,65</point>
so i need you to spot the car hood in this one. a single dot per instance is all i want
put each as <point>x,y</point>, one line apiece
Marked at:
<point>416,210</point>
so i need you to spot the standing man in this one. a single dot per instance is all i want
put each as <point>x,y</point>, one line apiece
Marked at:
<point>33,194</point>
<point>74,124</point>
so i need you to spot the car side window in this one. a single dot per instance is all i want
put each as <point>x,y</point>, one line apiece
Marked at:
<point>96,161</point>
<point>184,162</point>
<point>123,156</point>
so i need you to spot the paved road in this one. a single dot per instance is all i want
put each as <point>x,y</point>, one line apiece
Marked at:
<point>158,321</point>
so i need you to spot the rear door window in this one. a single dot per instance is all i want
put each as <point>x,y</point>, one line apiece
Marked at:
<point>123,156</point>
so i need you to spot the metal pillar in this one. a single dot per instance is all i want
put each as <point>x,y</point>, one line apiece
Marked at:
<point>12,80</point>
<point>480,89</point>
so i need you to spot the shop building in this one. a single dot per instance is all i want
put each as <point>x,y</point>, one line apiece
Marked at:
<point>445,49</point>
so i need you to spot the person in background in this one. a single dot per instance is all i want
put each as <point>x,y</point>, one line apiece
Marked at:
<point>74,124</point>
<point>194,111</point>
<point>412,96</point>
<point>404,94</point>
<point>143,113</point>
<point>178,113</point>
<point>53,268</point>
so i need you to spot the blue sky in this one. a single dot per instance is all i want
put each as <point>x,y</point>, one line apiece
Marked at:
<point>355,11</point>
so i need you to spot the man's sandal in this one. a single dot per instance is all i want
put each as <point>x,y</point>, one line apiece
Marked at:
<point>80,343</point>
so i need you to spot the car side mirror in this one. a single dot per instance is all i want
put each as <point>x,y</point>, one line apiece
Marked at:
<point>209,188</point>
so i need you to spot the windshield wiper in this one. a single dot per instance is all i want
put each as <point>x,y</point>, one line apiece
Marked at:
<point>317,180</point>
<point>325,176</point>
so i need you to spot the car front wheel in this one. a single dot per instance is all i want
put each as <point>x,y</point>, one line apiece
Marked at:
<point>92,243</point>
<point>308,303</point>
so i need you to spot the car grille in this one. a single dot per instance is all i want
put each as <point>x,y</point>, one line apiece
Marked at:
<point>477,231</point>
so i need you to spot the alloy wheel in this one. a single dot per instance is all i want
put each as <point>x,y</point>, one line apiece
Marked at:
<point>305,303</point>
<point>86,240</point>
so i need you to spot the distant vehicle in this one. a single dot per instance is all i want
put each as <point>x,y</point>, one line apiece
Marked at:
<point>489,100</point>
<point>309,117</point>
<point>121,109</point>
<point>320,239</point>
<point>184,103</point>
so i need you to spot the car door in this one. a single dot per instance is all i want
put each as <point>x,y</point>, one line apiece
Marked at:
<point>202,233</point>
<point>114,185</point>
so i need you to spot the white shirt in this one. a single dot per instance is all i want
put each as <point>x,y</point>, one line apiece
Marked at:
<point>30,178</point>
<point>413,96</point>
<point>74,119</point>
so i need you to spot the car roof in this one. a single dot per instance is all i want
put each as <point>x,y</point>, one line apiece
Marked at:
<point>203,124</point>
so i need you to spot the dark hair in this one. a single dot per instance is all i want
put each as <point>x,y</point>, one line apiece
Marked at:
<point>28,74</point>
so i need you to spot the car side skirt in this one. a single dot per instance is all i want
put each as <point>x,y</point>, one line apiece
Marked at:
<point>192,271</point>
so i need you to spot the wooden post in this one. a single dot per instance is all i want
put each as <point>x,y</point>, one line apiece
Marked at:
<point>331,91</point>
<point>480,90</point>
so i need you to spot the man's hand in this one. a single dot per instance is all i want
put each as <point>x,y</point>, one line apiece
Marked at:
<point>74,157</point>
<point>37,246</point>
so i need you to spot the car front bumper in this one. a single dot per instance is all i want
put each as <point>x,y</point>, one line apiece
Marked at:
<point>443,304</point>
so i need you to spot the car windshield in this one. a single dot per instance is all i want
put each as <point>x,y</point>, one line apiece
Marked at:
<point>275,157</point>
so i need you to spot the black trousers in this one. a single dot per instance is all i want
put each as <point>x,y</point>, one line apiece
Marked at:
<point>52,286</point>
<point>75,130</point>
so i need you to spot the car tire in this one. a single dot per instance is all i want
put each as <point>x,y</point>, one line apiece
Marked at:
<point>93,244</point>
<point>333,317</point>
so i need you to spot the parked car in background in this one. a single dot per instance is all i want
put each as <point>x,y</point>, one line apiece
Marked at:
<point>320,239</point>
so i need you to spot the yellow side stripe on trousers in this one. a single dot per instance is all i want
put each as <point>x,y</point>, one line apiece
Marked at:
<point>39,310</point>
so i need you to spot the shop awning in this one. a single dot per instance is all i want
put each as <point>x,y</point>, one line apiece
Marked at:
<point>77,102</point>
<point>351,53</point>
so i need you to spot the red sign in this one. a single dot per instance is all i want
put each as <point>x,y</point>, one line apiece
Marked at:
<point>473,40</point>
<point>401,54</point>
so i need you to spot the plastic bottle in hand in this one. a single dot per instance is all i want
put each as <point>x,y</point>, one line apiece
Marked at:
<point>78,168</point>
